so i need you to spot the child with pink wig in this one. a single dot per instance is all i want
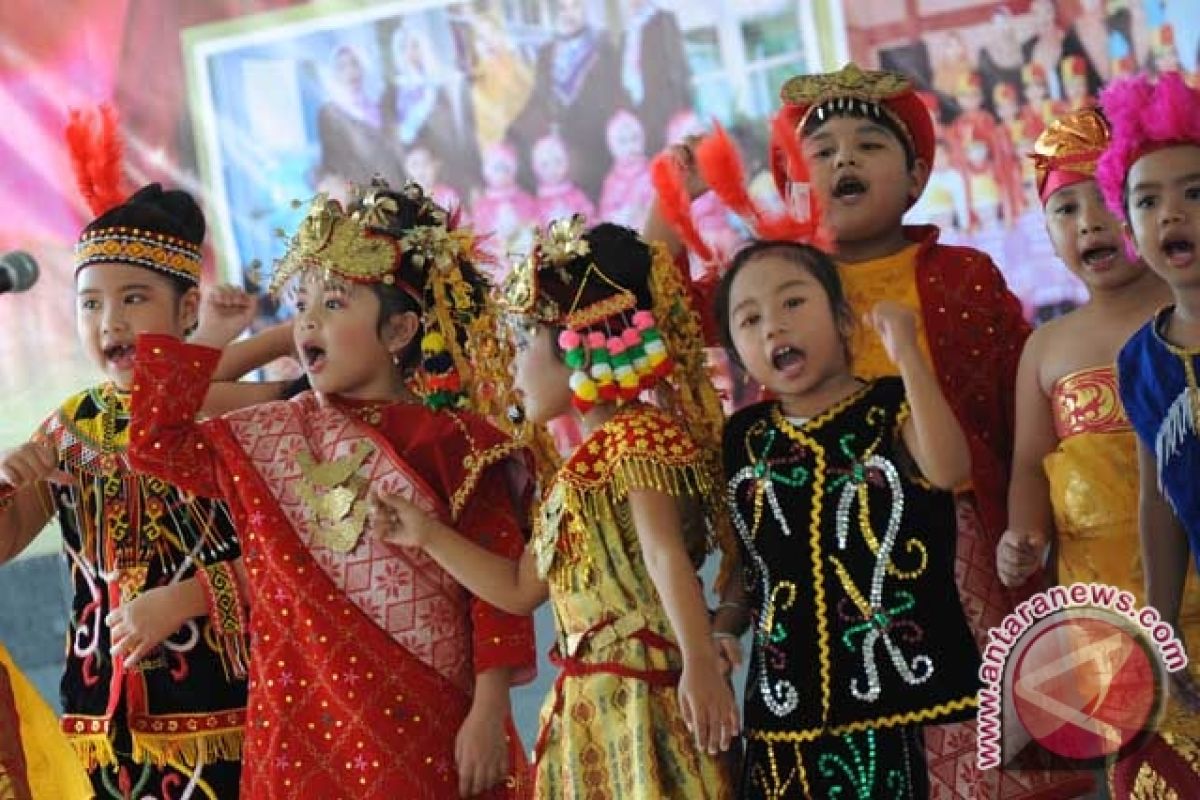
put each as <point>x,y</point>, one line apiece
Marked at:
<point>1150,176</point>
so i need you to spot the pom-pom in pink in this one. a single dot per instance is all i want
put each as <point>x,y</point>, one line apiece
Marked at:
<point>643,320</point>
<point>569,340</point>
<point>631,336</point>
<point>615,346</point>
<point>1144,115</point>
<point>596,340</point>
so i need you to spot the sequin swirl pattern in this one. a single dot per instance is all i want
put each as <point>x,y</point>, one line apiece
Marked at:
<point>780,696</point>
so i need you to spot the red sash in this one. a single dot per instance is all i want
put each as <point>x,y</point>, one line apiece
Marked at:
<point>339,704</point>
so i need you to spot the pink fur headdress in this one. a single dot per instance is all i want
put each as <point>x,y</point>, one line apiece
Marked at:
<point>1145,115</point>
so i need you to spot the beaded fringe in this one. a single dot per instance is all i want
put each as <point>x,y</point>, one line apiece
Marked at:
<point>190,748</point>
<point>597,505</point>
<point>94,750</point>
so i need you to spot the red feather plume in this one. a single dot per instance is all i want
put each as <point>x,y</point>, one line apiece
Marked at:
<point>94,142</point>
<point>674,203</point>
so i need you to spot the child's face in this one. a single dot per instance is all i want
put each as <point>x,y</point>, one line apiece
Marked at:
<point>1035,92</point>
<point>1164,212</point>
<point>625,139</point>
<point>550,161</point>
<point>421,167</point>
<point>539,375</point>
<point>1087,236</point>
<point>499,168</point>
<point>1006,110</point>
<point>861,177</point>
<point>338,339</point>
<point>783,327</point>
<point>1075,88</point>
<point>116,302</point>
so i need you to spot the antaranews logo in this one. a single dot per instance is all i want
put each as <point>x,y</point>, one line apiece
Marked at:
<point>1076,673</point>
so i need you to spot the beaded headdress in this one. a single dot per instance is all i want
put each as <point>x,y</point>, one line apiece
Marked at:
<point>142,232</point>
<point>432,261</point>
<point>615,349</point>
<point>1067,151</point>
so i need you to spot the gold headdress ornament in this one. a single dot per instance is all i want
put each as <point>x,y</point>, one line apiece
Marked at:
<point>850,85</point>
<point>1068,150</point>
<point>365,247</point>
<point>618,351</point>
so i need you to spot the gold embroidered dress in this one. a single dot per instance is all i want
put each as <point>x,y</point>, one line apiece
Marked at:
<point>1094,492</point>
<point>612,726</point>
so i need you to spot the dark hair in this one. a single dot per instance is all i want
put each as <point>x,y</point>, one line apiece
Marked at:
<point>813,260</point>
<point>623,257</point>
<point>173,212</point>
<point>861,110</point>
<point>413,209</point>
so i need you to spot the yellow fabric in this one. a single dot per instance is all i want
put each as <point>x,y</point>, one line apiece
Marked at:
<point>53,770</point>
<point>615,736</point>
<point>866,283</point>
<point>1095,502</point>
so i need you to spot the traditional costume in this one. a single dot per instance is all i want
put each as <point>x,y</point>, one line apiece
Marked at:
<point>366,653</point>
<point>175,718</point>
<point>1095,501</point>
<point>967,316</point>
<point>612,727</point>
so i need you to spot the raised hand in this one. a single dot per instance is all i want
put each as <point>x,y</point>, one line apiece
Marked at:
<point>896,325</point>
<point>225,312</point>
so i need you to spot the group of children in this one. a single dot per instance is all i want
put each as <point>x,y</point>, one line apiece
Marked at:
<point>325,589</point>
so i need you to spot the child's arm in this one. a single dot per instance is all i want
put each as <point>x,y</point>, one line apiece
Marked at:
<point>708,706</point>
<point>170,380</point>
<point>25,503</point>
<point>932,433</point>
<point>732,617</point>
<point>513,586</point>
<point>1166,558</point>
<point>226,311</point>
<point>1024,545</point>
<point>480,748</point>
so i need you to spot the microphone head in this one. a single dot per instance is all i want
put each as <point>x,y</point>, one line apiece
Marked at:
<point>21,269</point>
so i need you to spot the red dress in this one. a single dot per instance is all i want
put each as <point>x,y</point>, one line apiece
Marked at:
<point>363,655</point>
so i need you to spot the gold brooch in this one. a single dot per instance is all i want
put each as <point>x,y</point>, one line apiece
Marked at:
<point>331,492</point>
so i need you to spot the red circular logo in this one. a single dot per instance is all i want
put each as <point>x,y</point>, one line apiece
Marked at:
<point>1085,685</point>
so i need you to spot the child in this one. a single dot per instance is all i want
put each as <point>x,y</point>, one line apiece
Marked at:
<point>373,668</point>
<point>1074,449</point>
<point>1075,83</point>
<point>423,166</point>
<point>863,141</point>
<point>504,211</point>
<point>859,513</point>
<point>627,193</point>
<point>1149,176</point>
<point>598,319</point>
<point>154,687</point>
<point>557,195</point>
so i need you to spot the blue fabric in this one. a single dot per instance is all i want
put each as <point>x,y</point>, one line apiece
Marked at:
<point>1154,389</point>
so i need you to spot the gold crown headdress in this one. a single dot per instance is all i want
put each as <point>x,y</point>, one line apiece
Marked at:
<point>460,365</point>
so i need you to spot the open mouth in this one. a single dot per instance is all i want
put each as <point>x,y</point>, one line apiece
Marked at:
<point>849,187</point>
<point>787,358</point>
<point>313,357</point>
<point>1101,256</point>
<point>119,355</point>
<point>1179,252</point>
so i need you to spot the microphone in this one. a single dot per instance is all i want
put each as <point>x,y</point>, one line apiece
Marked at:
<point>18,271</point>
